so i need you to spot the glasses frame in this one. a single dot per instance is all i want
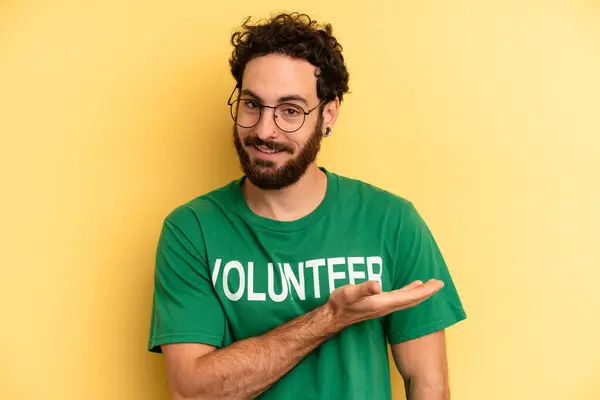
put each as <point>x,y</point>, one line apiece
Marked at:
<point>231,103</point>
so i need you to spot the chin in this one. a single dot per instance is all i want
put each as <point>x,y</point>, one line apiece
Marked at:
<point>269,164</point>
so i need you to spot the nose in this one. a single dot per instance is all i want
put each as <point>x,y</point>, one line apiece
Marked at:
<point>266,128</point>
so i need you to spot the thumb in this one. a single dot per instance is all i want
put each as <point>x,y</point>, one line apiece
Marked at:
<point>354,293</point>
<point>369,288</point>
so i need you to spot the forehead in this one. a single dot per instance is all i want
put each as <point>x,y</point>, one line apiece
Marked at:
<point>274,76</point>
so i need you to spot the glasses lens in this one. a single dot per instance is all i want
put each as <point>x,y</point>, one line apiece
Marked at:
<point>245,113</point>
<point>289,117</point>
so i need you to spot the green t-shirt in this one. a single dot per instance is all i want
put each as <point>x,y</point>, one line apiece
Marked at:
<point>224,274</point>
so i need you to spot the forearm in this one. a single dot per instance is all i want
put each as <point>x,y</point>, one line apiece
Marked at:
<point>249,367</point>
<point>424,389</point>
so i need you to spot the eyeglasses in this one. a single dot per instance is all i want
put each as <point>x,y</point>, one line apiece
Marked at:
<point>288,117</point>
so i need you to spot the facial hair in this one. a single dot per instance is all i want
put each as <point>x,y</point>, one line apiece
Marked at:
<point>264,173</point>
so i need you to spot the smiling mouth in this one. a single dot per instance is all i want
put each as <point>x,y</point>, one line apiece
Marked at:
<point>266,150</point>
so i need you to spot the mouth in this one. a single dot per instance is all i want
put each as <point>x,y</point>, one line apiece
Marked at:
<point>266,151</point>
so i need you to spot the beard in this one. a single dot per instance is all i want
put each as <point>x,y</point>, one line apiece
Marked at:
<point>264,173</point>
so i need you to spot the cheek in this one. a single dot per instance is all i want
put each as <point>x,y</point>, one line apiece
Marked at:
<point>242,134</point>
<point>301,144</point>
<point>301,138</point>
<point>295,145</point>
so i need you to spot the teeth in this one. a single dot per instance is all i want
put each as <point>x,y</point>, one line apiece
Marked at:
<point>266,150</point>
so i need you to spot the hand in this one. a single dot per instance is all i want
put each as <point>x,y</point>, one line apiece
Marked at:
<point>355,303</point>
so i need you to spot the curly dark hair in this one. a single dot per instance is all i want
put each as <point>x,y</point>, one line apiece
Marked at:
<point>297,36</point>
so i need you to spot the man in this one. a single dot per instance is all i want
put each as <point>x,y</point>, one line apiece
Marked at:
<point>289,282</point>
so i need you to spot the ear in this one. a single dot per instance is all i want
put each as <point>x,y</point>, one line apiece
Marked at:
<point>330,113</point>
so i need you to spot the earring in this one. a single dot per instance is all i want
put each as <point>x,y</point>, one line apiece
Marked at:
<point>327,132</point>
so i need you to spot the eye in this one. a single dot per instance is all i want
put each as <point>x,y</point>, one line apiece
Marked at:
<point>249,104</point>
<point>291,112</point>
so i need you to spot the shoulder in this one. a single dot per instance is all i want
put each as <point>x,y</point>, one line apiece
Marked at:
<point>360,191</point>
<point>191,212</point>
<point>390,210</point>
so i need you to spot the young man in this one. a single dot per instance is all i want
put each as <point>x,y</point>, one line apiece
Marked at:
<point>289,282</point>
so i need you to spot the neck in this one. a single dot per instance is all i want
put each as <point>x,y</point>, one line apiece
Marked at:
<point>290,203</point>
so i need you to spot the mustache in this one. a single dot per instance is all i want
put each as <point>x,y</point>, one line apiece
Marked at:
<point>271,145</point>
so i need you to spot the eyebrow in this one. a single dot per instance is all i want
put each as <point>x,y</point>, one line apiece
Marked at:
<point>293,97</point>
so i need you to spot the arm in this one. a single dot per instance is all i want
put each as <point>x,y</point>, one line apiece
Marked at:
<point>247,368</point>
<point>417,335</point>
<point>423,364</point>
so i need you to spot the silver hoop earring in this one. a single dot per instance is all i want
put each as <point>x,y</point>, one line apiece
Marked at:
<point>327,132</point>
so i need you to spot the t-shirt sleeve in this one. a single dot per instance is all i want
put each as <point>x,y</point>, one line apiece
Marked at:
<point>419,258</point>
<point>185,307</point>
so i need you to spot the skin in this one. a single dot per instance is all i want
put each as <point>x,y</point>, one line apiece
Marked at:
<point>248,367</point>
<point>272,77</point>
<point>423,365</point>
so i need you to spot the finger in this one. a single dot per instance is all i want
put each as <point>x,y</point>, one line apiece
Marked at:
<point>411,285</point>
<point>425,290</point>
<point>362,290</point>
<point>369,288</point>
<point>433,289</point>
<point>403,298</point>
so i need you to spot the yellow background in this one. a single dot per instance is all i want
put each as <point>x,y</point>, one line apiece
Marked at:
<point>486,114</point>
